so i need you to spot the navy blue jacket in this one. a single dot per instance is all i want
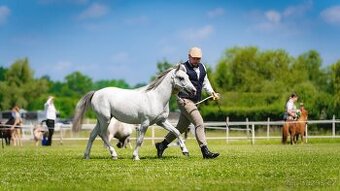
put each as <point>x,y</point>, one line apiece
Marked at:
<point>198,83</point>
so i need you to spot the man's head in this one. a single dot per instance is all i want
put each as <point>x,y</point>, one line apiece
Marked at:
<point>195,55</point>
<point>16,108</point>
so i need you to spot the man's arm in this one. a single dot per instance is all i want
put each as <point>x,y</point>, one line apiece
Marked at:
<point>208,88</point>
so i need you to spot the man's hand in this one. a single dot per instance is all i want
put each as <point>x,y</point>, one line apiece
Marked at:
<point>216,96</point>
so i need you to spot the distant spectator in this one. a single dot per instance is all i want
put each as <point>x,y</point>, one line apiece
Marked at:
<point>291,110</point>
<point>51,116</point>
<point>16,122</point>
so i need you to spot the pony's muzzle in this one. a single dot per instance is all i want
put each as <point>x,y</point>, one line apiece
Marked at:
<point>193,92</point>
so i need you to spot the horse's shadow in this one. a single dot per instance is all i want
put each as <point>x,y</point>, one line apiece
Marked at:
<point>102,157</point>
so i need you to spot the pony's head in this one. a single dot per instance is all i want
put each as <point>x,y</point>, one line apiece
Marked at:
<point>181,81</point>
<point>304,113</point>
<point>123,142</point>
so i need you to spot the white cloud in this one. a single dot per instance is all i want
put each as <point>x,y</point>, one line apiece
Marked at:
<point>197,34</point>
<point>4,14</point>
<point>297,10</point>
<point>287,21</point>
<point>215,12</point>
<point>94,11</point>
<point>331,15</point>
<point>273,16</point>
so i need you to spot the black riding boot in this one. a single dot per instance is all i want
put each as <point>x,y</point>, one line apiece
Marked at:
<point>161,147</point>
<point>207,154</point>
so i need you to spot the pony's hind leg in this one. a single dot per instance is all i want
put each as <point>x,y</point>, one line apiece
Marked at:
<point>167,125</point>
<point>292,135</point>
<point>284,134</point>
<point>93,135</point>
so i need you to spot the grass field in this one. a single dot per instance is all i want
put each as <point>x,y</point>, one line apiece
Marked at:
<point>241,166</point>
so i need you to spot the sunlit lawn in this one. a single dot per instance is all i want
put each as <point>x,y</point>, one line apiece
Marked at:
<point>266,165</point>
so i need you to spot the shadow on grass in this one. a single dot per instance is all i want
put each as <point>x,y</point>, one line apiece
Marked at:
<point>102,157</point>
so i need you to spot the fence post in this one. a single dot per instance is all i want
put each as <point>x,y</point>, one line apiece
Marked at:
<point>227,130</point>
<point>306,138</point>
<point>247,127</point>
<point>253,134</point>
<point>61,134</point>
<point>333,126</point>
<point>268,121</point>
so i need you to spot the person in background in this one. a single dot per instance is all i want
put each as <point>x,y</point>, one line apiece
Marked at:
<point>51,116</point>
<point>189,112</point>
<point>15,121</point>
<point>290,113</point>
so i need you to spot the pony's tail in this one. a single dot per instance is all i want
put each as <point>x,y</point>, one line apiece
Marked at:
<point>81,108</point>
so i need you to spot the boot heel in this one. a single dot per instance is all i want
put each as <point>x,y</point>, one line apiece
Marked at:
<point>207,154</point>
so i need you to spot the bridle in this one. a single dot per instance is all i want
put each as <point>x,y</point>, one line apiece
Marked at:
<point>181,87</point>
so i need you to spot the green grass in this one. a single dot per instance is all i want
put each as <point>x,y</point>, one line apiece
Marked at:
<point>241,166</point>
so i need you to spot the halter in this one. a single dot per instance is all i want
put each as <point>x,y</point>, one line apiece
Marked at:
<point>173,76</point>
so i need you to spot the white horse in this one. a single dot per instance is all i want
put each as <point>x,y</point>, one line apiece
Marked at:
<point>144,106</point>
<point>121,131</point>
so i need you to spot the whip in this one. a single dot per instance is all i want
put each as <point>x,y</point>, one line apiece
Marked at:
<point>205,99</point>
<point>218,103</point>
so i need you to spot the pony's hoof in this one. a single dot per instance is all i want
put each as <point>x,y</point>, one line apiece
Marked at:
<point>86,157</point>
<point>136,158</point>
<point>186,154</point>
<point>114,157</point>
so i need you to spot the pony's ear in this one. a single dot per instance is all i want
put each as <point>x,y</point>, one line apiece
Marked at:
<point>180,67</point>
<point>177,67</point>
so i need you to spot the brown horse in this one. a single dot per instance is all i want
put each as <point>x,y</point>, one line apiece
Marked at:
<point>5,133</point>
<point>295,128</point>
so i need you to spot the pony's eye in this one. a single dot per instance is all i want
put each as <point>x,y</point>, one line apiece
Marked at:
<point>181,78</point>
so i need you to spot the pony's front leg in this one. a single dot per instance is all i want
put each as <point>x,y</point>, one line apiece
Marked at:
<point>93,135</point>
<point>167,125</point>
<point>140,138</point>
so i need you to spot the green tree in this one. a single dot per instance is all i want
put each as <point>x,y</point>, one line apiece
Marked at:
<point>20,87</point>
<point>308,67</point>
<point>2,73</point>
<point>110,83</point>
<point>335,83</point>
<point>78,84</point>
<point>261,82</point>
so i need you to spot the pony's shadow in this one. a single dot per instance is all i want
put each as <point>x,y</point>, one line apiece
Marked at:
<point>102,157</point>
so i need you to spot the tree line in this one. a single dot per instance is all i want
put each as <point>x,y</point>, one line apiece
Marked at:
<point>253,84</point>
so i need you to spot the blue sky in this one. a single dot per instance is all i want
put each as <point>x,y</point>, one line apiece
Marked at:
<point>124,39</point>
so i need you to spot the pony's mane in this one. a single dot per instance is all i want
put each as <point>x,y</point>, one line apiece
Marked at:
<point>155,83</point>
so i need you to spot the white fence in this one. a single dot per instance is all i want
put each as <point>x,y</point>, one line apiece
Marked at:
<point>61,130</point>
<point>250,128</point>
